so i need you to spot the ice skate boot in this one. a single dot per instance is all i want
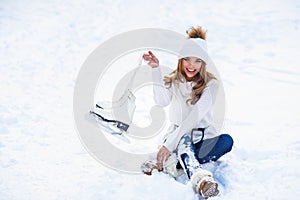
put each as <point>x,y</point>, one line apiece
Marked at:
<point>204,184</point>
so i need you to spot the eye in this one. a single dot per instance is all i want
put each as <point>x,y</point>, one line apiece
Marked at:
<point>198,61</point>
<point>187,59</point>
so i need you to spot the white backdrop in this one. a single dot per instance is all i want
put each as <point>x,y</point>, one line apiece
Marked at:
<point>254,44</point>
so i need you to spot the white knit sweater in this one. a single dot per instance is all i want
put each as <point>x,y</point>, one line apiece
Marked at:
<point>184,117</point>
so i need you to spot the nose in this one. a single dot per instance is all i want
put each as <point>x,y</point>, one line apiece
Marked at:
<point>191,64</point>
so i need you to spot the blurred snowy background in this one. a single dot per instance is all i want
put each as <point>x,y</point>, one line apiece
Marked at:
<point>254,44</point>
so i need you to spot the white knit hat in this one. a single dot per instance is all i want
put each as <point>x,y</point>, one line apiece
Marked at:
<point>194,47</point>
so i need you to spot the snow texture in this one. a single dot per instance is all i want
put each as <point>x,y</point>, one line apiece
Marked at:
<point>254,44</point>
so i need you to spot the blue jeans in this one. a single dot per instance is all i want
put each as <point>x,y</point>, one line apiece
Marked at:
<point>213,148</point>
<point>192,155</point>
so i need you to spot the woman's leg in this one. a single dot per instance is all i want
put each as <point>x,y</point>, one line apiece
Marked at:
<point>201,179</point>
<point>212,149</point>
<point>187,157</point>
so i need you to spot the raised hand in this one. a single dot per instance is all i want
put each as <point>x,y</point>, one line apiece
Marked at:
<point>151,59</point>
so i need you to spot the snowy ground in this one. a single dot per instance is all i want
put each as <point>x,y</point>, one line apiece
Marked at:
<point>255,45</point>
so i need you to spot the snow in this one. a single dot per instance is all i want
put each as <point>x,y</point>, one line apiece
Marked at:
<point>254,44</point>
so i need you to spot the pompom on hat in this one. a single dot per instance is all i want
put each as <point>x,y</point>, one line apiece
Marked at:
<point>195,45</point>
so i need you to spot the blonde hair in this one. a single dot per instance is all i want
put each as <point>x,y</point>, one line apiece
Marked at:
<point>201,78</point>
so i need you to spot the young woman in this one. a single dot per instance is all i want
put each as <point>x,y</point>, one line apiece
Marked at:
<point>191,91</point>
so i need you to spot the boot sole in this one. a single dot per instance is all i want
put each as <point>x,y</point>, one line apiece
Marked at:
<point>209,189</point>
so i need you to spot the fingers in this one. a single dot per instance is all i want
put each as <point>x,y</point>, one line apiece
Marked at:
<point>162,156</point>
<point>167,156</point>
<point>146,57</point>
<point>162,160</point>
<point>153,56</point>
<point>149,55</point>
<point>151,59</point>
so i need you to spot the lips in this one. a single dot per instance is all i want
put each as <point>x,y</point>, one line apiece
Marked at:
<point>190,72</point>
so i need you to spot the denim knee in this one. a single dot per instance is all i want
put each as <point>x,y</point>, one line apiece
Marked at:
<point>227,141</point>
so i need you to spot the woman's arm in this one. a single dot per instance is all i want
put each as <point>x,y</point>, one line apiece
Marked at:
<point>162,95</point>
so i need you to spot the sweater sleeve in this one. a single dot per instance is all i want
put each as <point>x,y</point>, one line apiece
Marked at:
<point>200,109</point>
<point>162,95</point>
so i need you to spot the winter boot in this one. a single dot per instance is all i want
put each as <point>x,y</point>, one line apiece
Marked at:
<point>204,184</point>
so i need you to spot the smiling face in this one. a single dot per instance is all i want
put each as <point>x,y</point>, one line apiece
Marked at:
<point>191,67</point>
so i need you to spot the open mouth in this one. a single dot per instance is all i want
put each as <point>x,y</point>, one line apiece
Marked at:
<point>190,70</point>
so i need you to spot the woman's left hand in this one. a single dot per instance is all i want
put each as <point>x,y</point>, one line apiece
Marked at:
<point>162,156</point>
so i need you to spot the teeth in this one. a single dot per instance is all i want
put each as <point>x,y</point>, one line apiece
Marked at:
<point>191,70</point>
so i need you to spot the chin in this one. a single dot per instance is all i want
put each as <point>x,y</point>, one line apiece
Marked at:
<point>191,77</point>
